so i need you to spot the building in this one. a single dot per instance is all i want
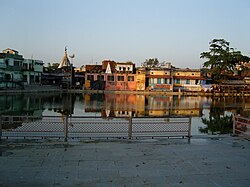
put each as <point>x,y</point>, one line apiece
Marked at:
<point>159,79</point>
<point>111,76</point>
<point>32,71</point>
<point>141,78</point>
<point>187,79</point>
<point>16,72</point>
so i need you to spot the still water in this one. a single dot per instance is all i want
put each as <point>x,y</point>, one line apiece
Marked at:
<point>209,115</point>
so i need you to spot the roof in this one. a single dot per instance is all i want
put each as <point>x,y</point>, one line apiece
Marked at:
<point>188,70</point>
<point>233,82</point>
<point>94,68</point>
<point>65,61</point>
<point>111,63</point>
<point>125,63</point>
<point>189,77</point>
<point>159,76</point>
<point>9,49</point>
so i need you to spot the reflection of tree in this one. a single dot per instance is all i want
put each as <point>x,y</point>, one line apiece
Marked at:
<point>218,121</point>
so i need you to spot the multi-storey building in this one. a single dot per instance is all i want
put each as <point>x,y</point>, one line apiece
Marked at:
<point>160,79</point>
<point>32,71</point>
<point>15,71</point>
<point>187,79</point>
<point>111,76</point>
<point>141,79</point>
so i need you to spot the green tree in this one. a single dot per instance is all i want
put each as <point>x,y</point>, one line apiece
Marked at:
<point>151,63</point>
<point>222,60</point>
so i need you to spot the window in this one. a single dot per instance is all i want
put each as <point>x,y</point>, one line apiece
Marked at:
<point>7,77</point>
<point>130,78</point>
<point>188,81</point>
<point>111,78</point>
<point>16,63</point>
<point>120,78</point>
<point>124,68</point>
<point>7,62</point>
<point>177,81</point>
<point>158,80</point>
<point>120,68</point>
<point>90,77</point>
<point>37,79</point>
<point>25,78</point>
<point>32,79</point>
<point>166,81</point>
<point>25,66</point>
<point>100,77</point>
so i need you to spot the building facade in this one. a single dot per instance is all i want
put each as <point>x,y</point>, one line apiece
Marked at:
<point>160,79</point>
<point>187,79</point>
<point>16,72</point>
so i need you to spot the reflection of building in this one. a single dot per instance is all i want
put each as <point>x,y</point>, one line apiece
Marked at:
<point>15,71</point>
<point>21,105</point>
<point>93,102</point>
<point>186,106</point>
<point>125,105</point>
<point>159,105</point>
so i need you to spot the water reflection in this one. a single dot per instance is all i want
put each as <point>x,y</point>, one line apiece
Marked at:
<point>215,113</point>
<point>219,119</point>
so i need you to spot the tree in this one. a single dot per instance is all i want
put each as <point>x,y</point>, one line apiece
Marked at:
<point>222,60</point>
<point>151,63</point>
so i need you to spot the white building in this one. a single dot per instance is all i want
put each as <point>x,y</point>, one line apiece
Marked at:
<point>15,71</point>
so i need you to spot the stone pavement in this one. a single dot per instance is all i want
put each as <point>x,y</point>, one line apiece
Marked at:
<point>204,161</point>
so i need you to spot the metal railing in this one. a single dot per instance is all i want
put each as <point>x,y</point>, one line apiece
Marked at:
<point>69,127</point>
<point>241,125</point>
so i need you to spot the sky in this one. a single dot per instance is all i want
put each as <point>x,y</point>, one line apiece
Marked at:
<point>175,31</point>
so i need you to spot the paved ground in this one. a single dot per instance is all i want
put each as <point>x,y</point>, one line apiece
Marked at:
<point>217,161</point>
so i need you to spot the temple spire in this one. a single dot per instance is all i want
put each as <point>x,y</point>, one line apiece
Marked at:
<point>65,60</point>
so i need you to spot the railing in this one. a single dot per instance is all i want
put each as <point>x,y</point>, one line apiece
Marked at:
<point>241,126</point>
<point>93,127</point>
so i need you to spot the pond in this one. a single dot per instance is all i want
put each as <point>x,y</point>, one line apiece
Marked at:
<point>209,115</point>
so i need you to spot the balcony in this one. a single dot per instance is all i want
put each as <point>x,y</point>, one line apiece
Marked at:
<point>2,66</point>
<point>14,68</point>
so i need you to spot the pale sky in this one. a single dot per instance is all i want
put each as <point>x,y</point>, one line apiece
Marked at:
<point>175,31</point>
